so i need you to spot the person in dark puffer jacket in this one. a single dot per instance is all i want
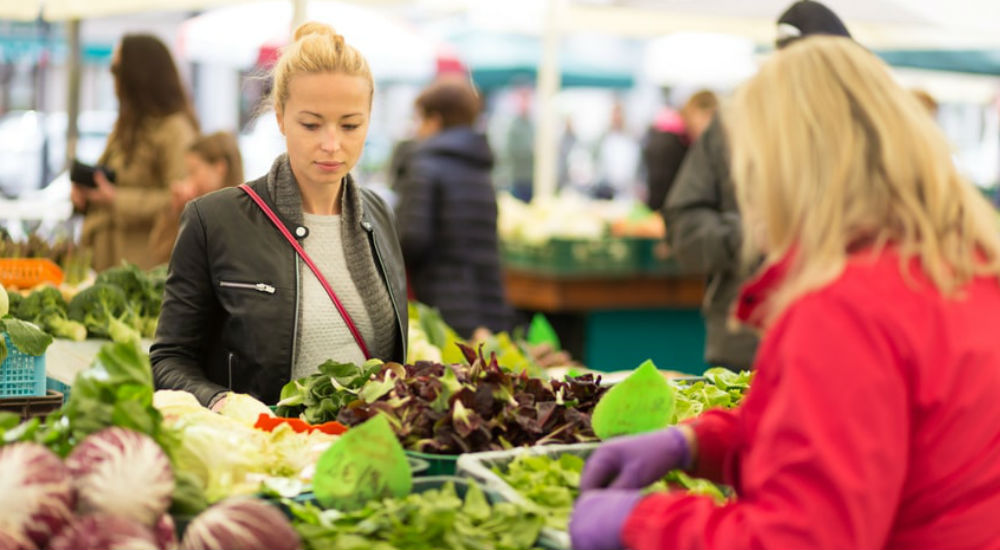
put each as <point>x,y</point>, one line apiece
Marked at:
<point>447,213</point>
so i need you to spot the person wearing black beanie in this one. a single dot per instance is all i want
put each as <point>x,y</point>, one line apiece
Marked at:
<point>703,221</point>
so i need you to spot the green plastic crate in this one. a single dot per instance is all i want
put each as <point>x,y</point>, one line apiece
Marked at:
<point>478,466</point>
<point>437,465</point>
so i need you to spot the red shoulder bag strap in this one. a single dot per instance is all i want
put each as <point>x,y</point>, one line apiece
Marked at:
<point>305,257</point>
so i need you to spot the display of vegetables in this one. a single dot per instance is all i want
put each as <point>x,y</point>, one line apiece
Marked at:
<point>721,388</point>
<point>431,339</point>
<point>319,397</point>
<point>436,518</point>
<point>108,466</point>
<point>552,483</point>
<point>123,304</point>
<point>111,492</point>
<point>241,523</point>
<point>26,337</point>
<point>227,456</point>
<point>38,496</point>
<point>46,308</point>
<point>451,409</point>
<point>105,532</point>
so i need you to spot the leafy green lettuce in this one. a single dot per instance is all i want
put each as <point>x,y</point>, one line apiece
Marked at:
<point>432,519</point>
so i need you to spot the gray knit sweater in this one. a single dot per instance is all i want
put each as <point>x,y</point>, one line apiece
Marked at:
<point>358,254</point>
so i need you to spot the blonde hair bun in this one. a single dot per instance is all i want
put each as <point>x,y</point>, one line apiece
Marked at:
<point>317,28</point>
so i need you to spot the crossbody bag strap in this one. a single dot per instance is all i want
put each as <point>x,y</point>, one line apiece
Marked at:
<point>305,257</point>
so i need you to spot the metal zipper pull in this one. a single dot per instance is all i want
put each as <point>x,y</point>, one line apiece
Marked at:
<point>259,287</point>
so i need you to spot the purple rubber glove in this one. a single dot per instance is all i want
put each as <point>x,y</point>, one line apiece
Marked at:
<point>634,462</point>
<point>598,518</point>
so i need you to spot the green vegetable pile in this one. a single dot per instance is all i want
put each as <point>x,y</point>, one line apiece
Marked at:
<point>116,390</point>
<point>454,409</point>
<point>431,519</point>
<point>26,337</point>
<point>553,483</point>
<point>319,397</point>
<point>46,308</point>
<point>123,304</point>
<point>721,389</point>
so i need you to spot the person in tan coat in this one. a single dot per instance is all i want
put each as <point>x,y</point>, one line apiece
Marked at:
<point>156,125</point>
<point>212,162</point>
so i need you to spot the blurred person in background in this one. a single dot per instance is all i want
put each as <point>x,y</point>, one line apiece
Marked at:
<point>521,148</point>
<point>156,124</point>
<point>872,420</point>
<point>668,140</point>
<point>273,278</point>
<point>702,217</point>
<point>617,159</point>
<point>447,212</point>
<point>212,162</point>
<point>567,142</point>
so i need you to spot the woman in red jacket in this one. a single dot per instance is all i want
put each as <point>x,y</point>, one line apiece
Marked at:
<point>873,421</point>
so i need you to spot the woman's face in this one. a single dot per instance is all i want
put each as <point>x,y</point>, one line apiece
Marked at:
<point>205,176</point>
<point>325,122</point>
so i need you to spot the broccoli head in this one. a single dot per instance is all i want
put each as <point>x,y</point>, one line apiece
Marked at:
<point>105,311</point>
<point>56,323</point>
<point>139,288</point>
<point>14,300</point>
<point>41,299</point>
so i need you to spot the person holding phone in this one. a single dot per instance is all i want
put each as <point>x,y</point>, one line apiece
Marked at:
<point>272,278</point>
<point>156,124</point>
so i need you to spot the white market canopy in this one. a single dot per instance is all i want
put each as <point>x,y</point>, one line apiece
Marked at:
<point>394,49</point>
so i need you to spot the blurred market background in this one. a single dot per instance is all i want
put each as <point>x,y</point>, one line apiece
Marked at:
<point>571,89</point>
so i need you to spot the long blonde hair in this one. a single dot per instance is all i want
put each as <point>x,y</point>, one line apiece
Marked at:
<point>316,48</point>
<point>831,154</point>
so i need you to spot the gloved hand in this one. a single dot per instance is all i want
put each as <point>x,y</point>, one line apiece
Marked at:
<point>634,462</point>
<point>598,518</point>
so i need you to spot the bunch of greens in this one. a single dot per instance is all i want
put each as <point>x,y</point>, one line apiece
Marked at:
<point>722,388</point>
<point>143,293</point>
<point>116,390</point>
<point>46,308</point>
<point>26,337</point>
<point>553,483</point>
<point>431,519</point>
<point>452,409</point>
<point>106,312</point>
<point>431,339</point>
<point>123,305</point>
<point>319,397</point>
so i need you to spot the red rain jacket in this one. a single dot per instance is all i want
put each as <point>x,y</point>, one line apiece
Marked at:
<point>873,422</point>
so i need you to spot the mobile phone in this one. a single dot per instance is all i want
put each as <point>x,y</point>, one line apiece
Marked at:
<point>83,174</point>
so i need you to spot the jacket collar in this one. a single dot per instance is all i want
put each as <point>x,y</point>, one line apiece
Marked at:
<point>749,307</point>
<point>284,196</point>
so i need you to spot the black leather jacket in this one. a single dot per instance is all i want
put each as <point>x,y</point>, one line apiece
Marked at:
<point>229,317</point>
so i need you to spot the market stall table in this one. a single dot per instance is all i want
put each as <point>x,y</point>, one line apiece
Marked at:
<point>65,358</point>
<point>621,320</point>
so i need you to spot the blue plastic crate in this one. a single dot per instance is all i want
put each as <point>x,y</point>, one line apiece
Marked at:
<point>20,373</point>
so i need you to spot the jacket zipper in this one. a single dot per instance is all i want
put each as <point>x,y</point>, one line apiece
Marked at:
<point>388,284</point>
<point>231,355</point>
<point>295,321</point>
<point>259,287</point>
